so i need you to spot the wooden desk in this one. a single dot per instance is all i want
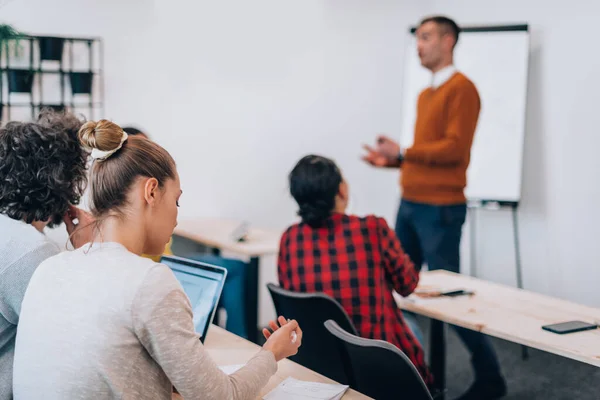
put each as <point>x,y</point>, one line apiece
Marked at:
<point>216,234</point>
<point>505,312</point>
<point>228,349</point>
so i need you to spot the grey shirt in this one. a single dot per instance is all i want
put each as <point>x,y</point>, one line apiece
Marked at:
<point>103,323</point>
<point>22,249</point>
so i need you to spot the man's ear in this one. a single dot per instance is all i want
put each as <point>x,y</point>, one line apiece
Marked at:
<point>151,191</point>
<point>449,41</point>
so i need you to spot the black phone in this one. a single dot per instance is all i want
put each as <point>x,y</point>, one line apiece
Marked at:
<point>459,292</point>
<point>569,327</point>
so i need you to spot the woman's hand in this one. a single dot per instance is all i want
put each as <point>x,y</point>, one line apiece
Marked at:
<point>284,339</point>
<point>82,232</point>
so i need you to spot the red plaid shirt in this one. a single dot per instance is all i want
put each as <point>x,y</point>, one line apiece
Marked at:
<point>357,261</point>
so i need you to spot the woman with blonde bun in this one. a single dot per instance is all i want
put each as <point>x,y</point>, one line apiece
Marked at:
<point>102,322</point>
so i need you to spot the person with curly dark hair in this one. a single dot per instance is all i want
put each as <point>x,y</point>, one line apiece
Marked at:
<point>43,176</point>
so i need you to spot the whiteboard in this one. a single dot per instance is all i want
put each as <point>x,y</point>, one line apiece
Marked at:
<point>496,60</point>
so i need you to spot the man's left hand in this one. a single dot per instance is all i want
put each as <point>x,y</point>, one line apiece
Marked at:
<point>388,147</point>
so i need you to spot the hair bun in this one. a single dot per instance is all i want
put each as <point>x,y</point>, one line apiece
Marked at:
<point>315,213</point>
<point>103,135</point>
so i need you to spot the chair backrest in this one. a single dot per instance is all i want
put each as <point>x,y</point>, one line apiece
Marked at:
<point>378,369</point>
<point>311,310</point>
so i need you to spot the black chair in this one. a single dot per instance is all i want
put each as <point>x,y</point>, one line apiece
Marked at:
<point>378,369</point>
<point>319,351</point>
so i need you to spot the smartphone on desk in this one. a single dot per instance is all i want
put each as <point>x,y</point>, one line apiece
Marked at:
<point>432,293</point>
<point>569,327</point>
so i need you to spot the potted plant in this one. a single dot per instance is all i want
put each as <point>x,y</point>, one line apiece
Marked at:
<point>81,82</point>
<point>51,48</point>
<point>7,33</point>
<point>19,80</point>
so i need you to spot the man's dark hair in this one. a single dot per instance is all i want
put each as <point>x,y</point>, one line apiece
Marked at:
<point>314,184</point>
<point>130,130</point>
<point>446,24</point>
<point>42,169</point>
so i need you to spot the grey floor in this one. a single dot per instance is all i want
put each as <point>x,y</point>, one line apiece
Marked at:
<point>542,376</point>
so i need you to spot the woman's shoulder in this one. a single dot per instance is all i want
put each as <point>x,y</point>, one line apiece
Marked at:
<point>110,257</point>
<point>369,220</point>
<point>153,271</point>
<point>339,220</point>
<point>20,236</point>
<point>151,277</point>
<point>295,227</point>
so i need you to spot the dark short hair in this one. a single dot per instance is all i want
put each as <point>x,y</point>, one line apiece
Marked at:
<point>448,25</point>
<point>42,169</point>
<point>314,184</point>
<point>131,130</point>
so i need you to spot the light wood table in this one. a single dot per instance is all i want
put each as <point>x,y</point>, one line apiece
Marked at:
<point>228,349</point>
<point>505,312</point>
<point>216,233</point>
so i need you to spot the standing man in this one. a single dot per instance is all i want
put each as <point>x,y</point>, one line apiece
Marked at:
<point>434,175</point>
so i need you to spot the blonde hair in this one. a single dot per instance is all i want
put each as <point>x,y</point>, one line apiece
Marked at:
<point>111,178</point>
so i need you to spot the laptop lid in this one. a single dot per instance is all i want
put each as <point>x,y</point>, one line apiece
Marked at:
<point>203,284</point>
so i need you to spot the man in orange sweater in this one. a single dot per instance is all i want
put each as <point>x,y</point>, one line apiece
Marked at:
<point>434,175</point>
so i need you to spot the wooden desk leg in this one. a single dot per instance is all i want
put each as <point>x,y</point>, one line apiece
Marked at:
<point>437,356</point>
<point>252,300</point>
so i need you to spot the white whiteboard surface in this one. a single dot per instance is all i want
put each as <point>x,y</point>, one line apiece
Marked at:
<point>497,64</point>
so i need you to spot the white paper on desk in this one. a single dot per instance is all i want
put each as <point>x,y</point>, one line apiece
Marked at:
<point>415,299</point>
<point>293,389</point>
<point>230,369</point>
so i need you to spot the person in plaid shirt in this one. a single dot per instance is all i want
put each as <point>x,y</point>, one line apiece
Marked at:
<point>358,261</point>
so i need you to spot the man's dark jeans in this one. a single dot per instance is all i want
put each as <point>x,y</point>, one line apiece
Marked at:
<point>431,234</point>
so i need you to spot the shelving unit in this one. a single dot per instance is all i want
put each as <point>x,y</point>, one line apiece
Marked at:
<point>78,62</point>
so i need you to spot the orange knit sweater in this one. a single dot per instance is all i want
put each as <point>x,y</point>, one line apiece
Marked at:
<point>434,170</point>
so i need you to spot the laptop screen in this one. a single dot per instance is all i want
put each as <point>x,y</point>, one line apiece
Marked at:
<point>203,284</point>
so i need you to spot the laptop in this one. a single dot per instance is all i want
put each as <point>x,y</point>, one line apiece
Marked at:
<point>203,284</point>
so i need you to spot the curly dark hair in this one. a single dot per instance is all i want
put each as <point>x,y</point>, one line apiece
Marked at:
<point>43,168</point>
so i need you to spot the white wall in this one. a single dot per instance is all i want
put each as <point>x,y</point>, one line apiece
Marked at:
<point>260,84</point>
<point>559,216</point>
